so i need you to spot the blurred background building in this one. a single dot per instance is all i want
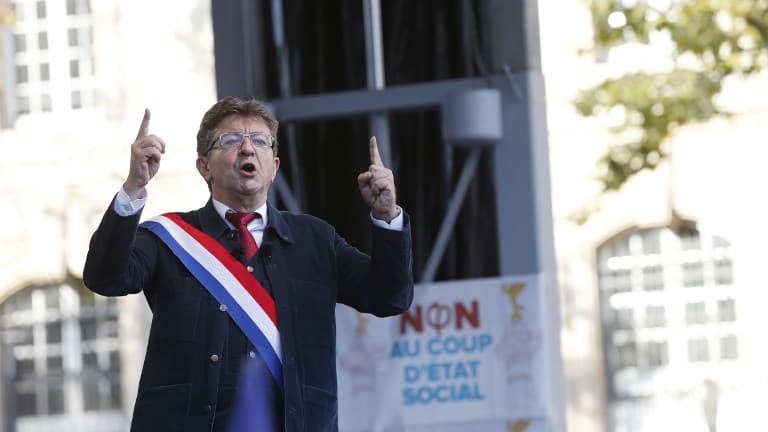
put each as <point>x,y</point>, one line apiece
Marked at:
<point>661,287</point>
<point>76,76</point>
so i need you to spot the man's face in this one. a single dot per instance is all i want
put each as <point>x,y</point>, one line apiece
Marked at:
<point>243,173</point>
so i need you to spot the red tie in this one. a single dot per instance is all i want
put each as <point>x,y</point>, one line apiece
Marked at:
<point>240,221</point>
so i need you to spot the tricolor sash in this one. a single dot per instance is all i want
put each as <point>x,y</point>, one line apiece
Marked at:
<point>228,281</point>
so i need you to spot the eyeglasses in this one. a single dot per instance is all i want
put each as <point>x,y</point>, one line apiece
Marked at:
<point>230,140</point>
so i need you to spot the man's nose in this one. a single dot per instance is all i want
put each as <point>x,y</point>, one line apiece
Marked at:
<point>247,146</point>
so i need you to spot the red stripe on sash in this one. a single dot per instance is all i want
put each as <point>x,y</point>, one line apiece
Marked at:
<point>256,290</point>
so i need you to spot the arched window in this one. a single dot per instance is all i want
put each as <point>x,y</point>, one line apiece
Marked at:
<point>669,312</point>
<point>61,359</point>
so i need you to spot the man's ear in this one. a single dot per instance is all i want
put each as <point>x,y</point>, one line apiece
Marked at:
<point>277,167</point>
<point>202,168</point>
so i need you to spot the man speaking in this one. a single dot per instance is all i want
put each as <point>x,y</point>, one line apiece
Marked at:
<point>238,287</point>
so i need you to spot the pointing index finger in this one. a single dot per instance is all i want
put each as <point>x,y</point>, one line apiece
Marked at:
<point>144,128</point>
<point>374,151</point>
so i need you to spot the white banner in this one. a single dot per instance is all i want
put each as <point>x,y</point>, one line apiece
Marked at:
<point>468,355</point>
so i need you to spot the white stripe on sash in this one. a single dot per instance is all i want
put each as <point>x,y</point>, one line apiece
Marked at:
<point>225,278</point>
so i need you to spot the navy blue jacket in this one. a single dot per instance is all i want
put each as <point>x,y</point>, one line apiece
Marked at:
<point>306,266</point>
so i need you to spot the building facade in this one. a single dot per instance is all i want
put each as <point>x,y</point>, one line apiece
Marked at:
<point>75,77</point>
<point>662,285</point>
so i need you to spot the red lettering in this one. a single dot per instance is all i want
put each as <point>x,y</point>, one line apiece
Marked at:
<point>439,316</point>
<point>413,319</point>
<point>472,317</point>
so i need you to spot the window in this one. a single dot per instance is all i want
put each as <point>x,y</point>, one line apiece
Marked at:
<point>45,72</point>
<point>75,100</point>
<point>653,278</point>
<point>693,274</point>
<point>74,68</point>
<point>723,272</point>
<point>40,6</point>
<point>690,240</point>
<point>46,103</point>
<point>655,316</point>
<point>698,350</point>
<point>23,105</point>
<point>656,354</point>
<point>619,247</point>
<point>618,281</point>
<point>22,74</point>
<point>41,333</point>
<point>42,41</point>
<point>720,243</point>
<point>20,42</point>
<point>729,348</point>
<point>623,319</point>
<point>651,242</point>
<point>666,305</point>
<point>726,310</point>
<point>72,37</point>
<point>77,7</point>
<point>696,313</point>
<point>40,66</point>
<point>626,355</point>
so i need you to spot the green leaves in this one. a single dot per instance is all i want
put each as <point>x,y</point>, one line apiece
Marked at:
<point>710,40</point>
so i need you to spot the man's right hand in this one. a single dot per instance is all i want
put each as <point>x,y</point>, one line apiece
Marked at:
<point>145,159</point>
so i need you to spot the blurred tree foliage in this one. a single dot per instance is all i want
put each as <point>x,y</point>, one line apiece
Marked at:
<point>709,40</point>
<point>6,20</point>
<point>6,16</point>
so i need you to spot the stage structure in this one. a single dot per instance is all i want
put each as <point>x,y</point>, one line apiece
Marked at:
<point>455,95</point>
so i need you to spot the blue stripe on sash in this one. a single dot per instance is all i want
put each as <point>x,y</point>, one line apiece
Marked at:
<point>220,293</point>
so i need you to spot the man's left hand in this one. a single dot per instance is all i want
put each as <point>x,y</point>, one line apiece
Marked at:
<point>377,186</point>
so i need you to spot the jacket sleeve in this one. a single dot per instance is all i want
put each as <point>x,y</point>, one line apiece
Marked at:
<point>120,257</point>
<point>381,284</point>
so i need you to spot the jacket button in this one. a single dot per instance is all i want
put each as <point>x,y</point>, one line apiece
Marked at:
<point>250,269</point>
<point>292,410</point>
<point>223,308</point>
<point>214,358</point>
<point>251,354</point>
<point>207,408</point>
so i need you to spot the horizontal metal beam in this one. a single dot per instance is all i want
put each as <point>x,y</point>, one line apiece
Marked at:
<point>363,102</point>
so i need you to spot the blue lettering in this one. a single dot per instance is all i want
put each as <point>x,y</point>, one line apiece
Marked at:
<point>460,371</point>
<point>473,364</point>
<point>444,393</point>
<point>403,348</point>
<point>433,346</point>
<point>411,373</point>
<point>485,341</point>
<point>408,396</point>
<point>459,344</point>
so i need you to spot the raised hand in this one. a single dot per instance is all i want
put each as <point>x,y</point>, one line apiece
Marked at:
<point>377,186</point>
<point>145,159</point>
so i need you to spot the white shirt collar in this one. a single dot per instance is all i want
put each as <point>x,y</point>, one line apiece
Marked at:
<point>258,223</point>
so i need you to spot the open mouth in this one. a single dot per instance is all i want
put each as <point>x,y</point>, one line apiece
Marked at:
<point>248,167</point>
